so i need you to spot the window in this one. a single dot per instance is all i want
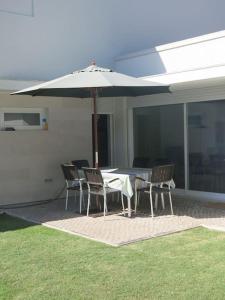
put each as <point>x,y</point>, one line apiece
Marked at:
<point>206,139</point>
<point>159,137</point>
<point>23,118</point>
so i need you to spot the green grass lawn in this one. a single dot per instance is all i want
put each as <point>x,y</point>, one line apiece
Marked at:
<point>41,263</point>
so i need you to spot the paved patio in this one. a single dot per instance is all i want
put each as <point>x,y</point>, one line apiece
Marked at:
<point>118,230</point>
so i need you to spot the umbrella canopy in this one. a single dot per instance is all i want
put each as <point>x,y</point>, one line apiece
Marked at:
<point>93,82</point>
<point>80,84</point>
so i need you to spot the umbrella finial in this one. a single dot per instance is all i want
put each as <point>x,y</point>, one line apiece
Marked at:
<point>93,62</point>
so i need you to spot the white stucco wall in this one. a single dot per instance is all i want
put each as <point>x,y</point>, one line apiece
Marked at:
<point>28,157</point>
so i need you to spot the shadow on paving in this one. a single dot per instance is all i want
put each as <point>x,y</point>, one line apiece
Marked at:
<point>8,223</point>
<point>55,211</point>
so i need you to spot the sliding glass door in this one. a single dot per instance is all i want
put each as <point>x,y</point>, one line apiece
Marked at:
<point>206,139</point>
<point>159,137</point>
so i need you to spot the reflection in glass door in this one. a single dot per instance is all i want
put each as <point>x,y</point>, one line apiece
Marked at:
<point>159,137</point>
<point>206,136</point>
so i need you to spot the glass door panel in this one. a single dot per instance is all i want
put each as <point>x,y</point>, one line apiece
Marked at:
<point>159,137</point>
<point>206,136</point>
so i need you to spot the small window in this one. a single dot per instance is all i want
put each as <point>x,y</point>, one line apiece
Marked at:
<point>23,118</point>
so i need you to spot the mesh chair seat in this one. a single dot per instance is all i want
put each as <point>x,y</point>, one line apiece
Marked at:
<point>155,189</point>
<point>159,190</point>
<point>76,187</point>
<point>142,189</point>
<point>73,188</point>
<point>100,191</point>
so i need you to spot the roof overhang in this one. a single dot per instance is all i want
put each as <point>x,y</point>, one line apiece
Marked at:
<point>209,76</point>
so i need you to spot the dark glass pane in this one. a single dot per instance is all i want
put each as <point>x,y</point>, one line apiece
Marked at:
<point>104,148</point>
<point>206,135</point>
<point>159,138</point>
<point>22,119</point>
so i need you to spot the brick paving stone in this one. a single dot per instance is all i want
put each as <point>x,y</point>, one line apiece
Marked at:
<point>116,230</point>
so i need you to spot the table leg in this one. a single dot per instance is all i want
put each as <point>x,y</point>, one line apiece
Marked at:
<point>129,206</point>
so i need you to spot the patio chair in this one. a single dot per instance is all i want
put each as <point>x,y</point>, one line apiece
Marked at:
<point>96,186</point>
<point>160,183</point>
<point>73,182</point>
<point>81,163</point>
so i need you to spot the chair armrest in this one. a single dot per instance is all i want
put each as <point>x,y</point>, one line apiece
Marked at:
<point>168,184</point>
<point>113,180</point>
<point>141,179</point>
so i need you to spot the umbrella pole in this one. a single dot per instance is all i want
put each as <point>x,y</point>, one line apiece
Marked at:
<point>95,129</point>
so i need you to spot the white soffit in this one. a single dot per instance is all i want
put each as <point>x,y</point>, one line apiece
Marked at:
<point>178,44</point>
<point>214,74</point>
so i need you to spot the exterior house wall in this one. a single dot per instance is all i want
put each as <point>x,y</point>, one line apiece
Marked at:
<point>28,157</point>
<point>195,70</point>
<point>188,95</point>
<point>178,96</point>
<point>193,67</point>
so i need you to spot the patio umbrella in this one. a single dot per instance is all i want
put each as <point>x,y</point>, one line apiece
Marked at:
<point>93,82</point>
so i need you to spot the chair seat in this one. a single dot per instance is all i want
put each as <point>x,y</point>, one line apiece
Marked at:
<point>73,188</point>
<point>156,189</point>
<point>100,191</point>
<point>143,189</point>
<point>76,187</point>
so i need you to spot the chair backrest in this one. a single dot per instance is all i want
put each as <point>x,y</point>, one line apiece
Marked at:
<point>162,174</point>
<point>81,163</point>
<point>70,172</point>
<point>141,162</point>
<point>93,176</point>
<point>161,162</point>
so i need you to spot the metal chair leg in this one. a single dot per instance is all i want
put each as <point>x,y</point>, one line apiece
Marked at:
<point>104,204</point>
<point>67,196</point>
<point>106,207</point>
<point>122,203</point>
<point>171,205</point>
<point>81,197</point>
<point>135,199</point>
<point>150,197</point>
<point>88,205</point>
<point>163,202</point>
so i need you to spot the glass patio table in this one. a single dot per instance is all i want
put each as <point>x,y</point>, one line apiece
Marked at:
<point>126,182</point>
